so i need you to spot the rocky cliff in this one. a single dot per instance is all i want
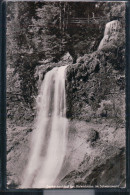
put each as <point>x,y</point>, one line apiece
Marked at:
<point>97,79</point>
<point>96,108</point>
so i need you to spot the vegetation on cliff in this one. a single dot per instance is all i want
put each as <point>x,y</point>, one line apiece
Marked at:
<point>97,83</point>
<point>42,31</point>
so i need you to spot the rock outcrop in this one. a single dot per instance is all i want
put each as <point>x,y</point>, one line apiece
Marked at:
<point>97,80</point>
<point>95,88</point>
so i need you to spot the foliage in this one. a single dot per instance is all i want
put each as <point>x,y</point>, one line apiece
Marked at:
<point>38,31</point>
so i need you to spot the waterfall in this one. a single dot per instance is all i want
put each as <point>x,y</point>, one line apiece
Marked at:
<point>49,138</point>
<point>111,29</point>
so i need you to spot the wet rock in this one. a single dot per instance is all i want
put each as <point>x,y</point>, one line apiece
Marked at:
<point>104,170</point>
<point>93,135</point>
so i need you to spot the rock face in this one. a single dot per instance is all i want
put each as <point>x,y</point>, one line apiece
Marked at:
<point>96,155</point>
<point>19,127</point>
<point>96,81</point>
<point>95,88</point>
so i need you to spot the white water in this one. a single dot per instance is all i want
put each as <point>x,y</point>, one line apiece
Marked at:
<point>111,29</point>
<point>50,135</point>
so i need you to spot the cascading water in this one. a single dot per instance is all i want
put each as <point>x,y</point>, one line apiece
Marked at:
<point>111,29</point>
<point>49,138</point>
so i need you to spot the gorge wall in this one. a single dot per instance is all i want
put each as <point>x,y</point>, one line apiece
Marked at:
<point>96,107</point>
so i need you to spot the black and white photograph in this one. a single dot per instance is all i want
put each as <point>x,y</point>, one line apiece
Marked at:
<point>65,94</point>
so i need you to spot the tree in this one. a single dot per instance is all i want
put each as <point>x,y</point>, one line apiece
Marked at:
<point>42,31</point>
